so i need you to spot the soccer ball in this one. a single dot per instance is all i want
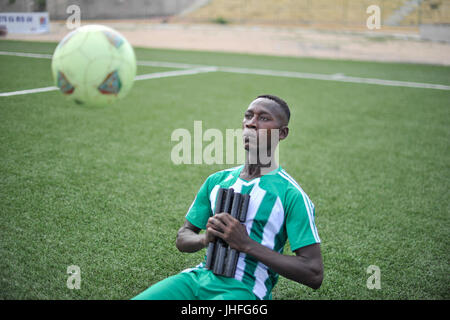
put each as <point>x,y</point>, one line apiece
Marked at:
<point>94,65</point>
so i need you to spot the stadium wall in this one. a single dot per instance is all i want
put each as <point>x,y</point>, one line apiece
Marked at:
<point>22,5</point>
<point>118,9</point>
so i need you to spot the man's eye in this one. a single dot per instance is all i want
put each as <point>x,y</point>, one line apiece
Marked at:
<point>262,118</point>
<point>247,116</point>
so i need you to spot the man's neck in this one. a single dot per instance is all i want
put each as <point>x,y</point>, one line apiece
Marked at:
<point>252,171</point>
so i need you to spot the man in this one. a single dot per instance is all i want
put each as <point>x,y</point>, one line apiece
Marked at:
<point>278,210</point>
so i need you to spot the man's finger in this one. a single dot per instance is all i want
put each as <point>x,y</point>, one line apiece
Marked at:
<point>226,219</point>
<point>221,215</point>
<point>216,224</point>
<point>219,220</point>
<point>215,233</point>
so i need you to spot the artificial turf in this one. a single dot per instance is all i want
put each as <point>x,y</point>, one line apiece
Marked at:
<point>96,187</point>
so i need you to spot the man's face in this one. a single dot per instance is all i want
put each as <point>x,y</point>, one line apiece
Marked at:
<point>265,114</point>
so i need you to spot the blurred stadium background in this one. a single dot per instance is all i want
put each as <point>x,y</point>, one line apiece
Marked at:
<point>411,30</point>
<point>368,142</point>
<point>303,12</point>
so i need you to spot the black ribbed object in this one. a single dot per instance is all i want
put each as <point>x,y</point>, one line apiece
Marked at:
<point>220,257</point>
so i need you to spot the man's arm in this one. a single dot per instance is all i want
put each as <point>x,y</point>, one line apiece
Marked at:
<point>306,267</point>
<point>189,238</point>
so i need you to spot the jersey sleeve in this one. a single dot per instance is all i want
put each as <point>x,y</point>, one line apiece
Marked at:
<point>300,220</point>
<point>200,209</point>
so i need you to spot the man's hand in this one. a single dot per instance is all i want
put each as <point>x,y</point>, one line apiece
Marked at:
<point>209,236</point>
<point>229,229</point>
<point>305,267</point>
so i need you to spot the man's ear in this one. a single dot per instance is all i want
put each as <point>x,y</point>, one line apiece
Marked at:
<point>284,131</point>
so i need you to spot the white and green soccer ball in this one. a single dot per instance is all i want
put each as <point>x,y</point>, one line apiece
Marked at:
<point>94,65</point>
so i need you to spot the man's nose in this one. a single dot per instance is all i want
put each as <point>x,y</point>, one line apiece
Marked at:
<point>251,123</point>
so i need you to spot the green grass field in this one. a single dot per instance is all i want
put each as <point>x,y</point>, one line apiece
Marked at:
<point>96,188</point>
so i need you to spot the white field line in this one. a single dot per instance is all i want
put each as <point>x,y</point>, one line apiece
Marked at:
<point>147,76</point>
<point>174,65</point>
<point>176,73</point>
<point>300,75</point>
<point>195,68</point>
<point>25,54</point>
<point>28,91</point>
<point>334,77</point>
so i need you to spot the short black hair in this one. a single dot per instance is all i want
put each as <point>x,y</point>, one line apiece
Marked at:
<point>283,105</point>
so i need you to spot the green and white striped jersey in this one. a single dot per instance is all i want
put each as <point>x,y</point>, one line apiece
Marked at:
<point>278,210</point>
